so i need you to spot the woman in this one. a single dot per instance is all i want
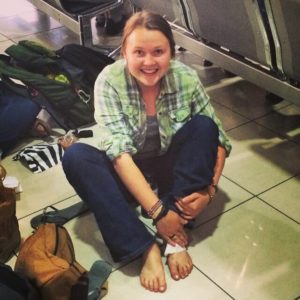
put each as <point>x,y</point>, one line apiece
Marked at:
<point>159,125</point>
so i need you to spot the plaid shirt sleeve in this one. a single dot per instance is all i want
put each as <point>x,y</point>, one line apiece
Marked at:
<point>115,140</point>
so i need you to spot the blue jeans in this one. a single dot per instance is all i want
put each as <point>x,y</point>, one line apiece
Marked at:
<point>188,166</point>
<point>17,115</point>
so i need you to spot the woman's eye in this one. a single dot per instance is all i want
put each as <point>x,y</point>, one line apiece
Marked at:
<point>139,53</point>
<point>158,52</point>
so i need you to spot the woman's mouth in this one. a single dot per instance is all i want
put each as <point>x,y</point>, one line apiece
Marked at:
<point>149,71</point>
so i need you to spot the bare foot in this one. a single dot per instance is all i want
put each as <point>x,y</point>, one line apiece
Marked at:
<point>180,265</point>
<point>152,276</point>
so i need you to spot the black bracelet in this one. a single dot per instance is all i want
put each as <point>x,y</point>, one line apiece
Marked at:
<point>162,213</point>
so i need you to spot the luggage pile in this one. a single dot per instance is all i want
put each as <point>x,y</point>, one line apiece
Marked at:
<point>60,81</point>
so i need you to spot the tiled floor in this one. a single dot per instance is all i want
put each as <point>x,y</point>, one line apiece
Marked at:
<point>247,243</point>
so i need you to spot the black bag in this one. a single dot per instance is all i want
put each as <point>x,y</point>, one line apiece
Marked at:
<point>62,86</point>
<point>92,66</point>
<point>11,88</point>
<point>15,287</point>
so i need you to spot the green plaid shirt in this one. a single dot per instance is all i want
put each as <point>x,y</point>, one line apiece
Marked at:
<point>120,110</point>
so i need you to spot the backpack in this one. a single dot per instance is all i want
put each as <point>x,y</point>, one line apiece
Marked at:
<point>96,61</point>
<point>60,85</point>
<point>47,259</point>
<point>10,236</point>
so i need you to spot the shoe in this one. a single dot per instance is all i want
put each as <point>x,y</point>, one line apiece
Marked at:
<point>59,216</point>
<point>113,28</point>
<point>40,129</point>
<point>98,275</point>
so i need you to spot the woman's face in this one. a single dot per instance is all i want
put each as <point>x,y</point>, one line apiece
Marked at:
<point>147,54</point>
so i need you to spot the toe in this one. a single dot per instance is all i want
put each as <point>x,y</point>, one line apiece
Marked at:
<point>174,272</point>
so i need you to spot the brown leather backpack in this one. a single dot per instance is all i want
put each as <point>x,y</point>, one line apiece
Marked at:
<point>9,228</point>
<point>47,259</point>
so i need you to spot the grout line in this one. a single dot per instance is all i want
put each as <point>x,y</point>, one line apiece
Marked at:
<point>41,210</point>
<point>238,185</point>
<point>277,184</point>
<point>213,282</point>
<point>278,210</point>
<point>224,212</point>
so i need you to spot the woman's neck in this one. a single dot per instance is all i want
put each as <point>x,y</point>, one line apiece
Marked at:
<point>149,96</point>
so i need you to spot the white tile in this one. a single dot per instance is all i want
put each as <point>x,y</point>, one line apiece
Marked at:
<point>26,23</point>
<point>53,39</point>
<point>39,190</point>
<point>252,252</point>
<point>4,45</point>
<point>285,197</point>
<point>244,98</point>
<point>124,284</point>
<point>228,118</point>
<point>285,121</point>
<point>14,7</point>
<point>260,159</point>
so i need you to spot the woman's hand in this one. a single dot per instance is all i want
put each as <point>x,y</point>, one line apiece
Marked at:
<point>192,205</point>
<point>170,228</point>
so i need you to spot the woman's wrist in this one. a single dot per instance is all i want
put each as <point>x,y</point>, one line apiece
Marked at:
<point>154,210</point>
<point>163,211</point>
<point>212,190</point>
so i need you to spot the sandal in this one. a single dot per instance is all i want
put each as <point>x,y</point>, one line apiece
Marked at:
<point>40,129</point>
<point>58,216</point>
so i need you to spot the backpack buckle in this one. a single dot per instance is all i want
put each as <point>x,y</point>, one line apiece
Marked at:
<point>83,96</point>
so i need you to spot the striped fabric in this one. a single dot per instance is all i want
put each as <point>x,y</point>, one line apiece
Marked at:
<point>39,158</point>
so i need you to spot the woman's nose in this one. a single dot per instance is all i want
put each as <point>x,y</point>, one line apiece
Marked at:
<point>149,60</point>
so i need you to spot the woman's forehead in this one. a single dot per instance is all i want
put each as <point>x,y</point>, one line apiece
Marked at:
<point>142,36</point>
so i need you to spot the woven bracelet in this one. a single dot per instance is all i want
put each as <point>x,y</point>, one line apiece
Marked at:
<point>162,213</point>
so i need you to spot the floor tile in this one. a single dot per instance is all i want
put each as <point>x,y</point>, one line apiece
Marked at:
<point>26,23</point>
<point>3,38</point>
<point>14,7</point>
<point>253,254</point>
<point>54,39</point>
<point>228,118</point>
<point>285,197</point>
<point>244,98</point>
<point>285,121</point>
<point>39,190</point>
<point>12,261</point>
<point>4,45</point>
<point>124,284</point>
<point>25,222</point>
<point>258,159</point>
